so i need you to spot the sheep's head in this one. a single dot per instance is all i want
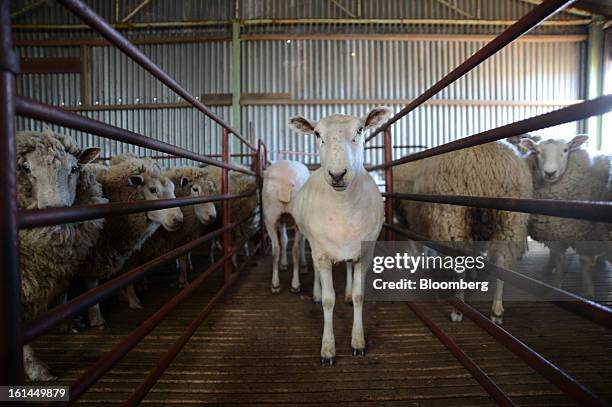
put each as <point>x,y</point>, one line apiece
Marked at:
<point>152,185</point>
<point>48,169</point>
<point>551,156</point>
<point>201,186</point>
<point>340,139</point>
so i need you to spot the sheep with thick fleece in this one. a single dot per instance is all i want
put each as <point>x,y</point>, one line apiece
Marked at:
<point>282,180</point>
<point>189,182</point>
<point>52,173</point>
<point>339,207</point>
<point>489,170</point>
<point>128,178</point>
<point>565,171</point>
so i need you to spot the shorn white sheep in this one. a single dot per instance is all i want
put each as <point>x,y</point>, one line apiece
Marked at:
<point>490,170</point>
<point>128,178</point>
<point>563,170</point>
<point>339,207</point>
<point>282,180</point>
<point>52,174</point>
<point>189,182</point>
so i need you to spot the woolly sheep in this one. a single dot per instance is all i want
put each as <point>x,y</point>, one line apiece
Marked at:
<point>491,170</point>
<point>128,178</point>
<point>563,170</point>
<point>338,208</point>
<point>52,172</point>
<point>189,181</point>
<point>282,180</point>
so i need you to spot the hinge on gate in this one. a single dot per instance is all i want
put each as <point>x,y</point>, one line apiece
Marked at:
<point>9,61</point>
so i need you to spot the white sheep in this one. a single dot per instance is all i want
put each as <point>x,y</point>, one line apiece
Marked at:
<point>490,170</point>
<point>563,170</point>
<point>189,182</point>
<point>282,180</point>
<point>339,207</point>
<point>128,178</point>
<point>52,173</point>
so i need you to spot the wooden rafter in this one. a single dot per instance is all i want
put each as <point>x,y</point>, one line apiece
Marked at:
<point>135,11</point>
<point>455,8</point>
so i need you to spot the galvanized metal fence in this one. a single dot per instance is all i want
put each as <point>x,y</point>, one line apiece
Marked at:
<point>593,211</point>
<point>16,332</point>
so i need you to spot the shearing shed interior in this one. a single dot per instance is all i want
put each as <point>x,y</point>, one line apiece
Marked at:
<point>306,202</point>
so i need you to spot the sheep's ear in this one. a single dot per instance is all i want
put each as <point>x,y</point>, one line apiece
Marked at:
<point>136,180</point>
<point>527,144</point>
<point>576,142</point>
<point>302,125</point>
<point>184,181</point>
<point>376,116</point>
<point>88,155</point>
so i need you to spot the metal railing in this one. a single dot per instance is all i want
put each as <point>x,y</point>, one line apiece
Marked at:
<point>18,332</point>
<point>585,210</point>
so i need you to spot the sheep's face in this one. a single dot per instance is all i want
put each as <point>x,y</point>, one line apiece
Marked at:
<point>153,187</point>
<point>552,156</point>
<point>201,186</point>
<point>340,139</point>
<point>51,173</point>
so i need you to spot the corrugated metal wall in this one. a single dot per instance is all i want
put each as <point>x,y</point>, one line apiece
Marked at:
<point>313,71</point>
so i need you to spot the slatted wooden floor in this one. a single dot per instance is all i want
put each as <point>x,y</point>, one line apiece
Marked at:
<point>263,349</point>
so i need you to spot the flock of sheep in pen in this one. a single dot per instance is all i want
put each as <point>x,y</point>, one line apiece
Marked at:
<point>335,209</point>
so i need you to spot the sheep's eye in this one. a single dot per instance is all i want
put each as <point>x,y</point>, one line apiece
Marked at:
<point>153,190</point>
<point>317,135</point>
<point>26,168</point>
<point>565,150</point>
<point>74,169</point>
<point>194,189</point>
<point>360,130</point>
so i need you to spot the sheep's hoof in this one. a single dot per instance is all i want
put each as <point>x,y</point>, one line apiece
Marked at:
<point>182,284</point>
<point>136,305</point>
<point>283,267</point>
<point>275,290</point>
<point>497,319</point>
<point>456,316</point>
<point>316,301</point>
<point>99,325</point>
<point>296,290</point>
<point>41,375</point>
<point>303,269</point>
<point>348,300</point>
<point>358,352</point>
<point>328,361</point>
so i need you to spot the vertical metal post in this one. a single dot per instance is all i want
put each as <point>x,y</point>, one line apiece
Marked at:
<point>595,71</point>
<point>11,352</point>
<point>388,148</point>
<point>236,82</point>
<point>225,189</point>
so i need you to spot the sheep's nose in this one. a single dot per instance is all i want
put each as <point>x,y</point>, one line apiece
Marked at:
<point>337,177</point>
<point>550,174</point>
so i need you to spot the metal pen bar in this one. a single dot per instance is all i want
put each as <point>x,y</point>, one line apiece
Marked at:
<point>578,111</point>
<point>11,357</point>
<point>38,326</point>
<point>78,213</point>
<point>590,310</point>
<point>106,362</point>
<point>527,22</point>
<point>52,114</point>
<point>96,22</point>
<point>566,383</point>
<point>477,373</point>
<point>586,210</point>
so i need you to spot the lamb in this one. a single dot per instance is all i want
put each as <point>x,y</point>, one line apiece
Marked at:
<point>563,170</point>
<point>189,181</point>
<point>492,170</point>
<point>282,180</point>
<point>128,178</point>
<point>52,173</point>
<point>338,208</point>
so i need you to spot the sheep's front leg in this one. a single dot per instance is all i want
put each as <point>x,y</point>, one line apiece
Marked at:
<point>303,265</point>
<point>316,284</point>
<point>295,255</point>
<point>456,315</point>
<point>34,368</point>
<point>348,289</point>
<point>328,343</point>
<point>586,265</point>
<point>284,239</point>
<point>358,344</point>
<point>133,300</point>
<point>271,229</point>
<point>95,316</point>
